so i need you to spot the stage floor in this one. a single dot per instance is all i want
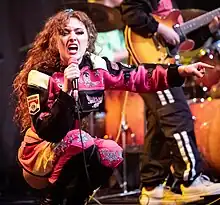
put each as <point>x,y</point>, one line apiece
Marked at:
<point>131,200</point>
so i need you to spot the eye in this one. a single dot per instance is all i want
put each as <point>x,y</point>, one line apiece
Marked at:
<point>64,32</point>
<point>80,32</point>
<point>86,74</point>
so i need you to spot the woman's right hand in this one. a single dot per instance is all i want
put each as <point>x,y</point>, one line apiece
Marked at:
<point>195,69</point>
<point>70,73</point>
<point>169,35</point>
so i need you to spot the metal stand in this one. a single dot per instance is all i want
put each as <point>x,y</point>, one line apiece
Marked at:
<point>123,184</point>
<point>123,132</point>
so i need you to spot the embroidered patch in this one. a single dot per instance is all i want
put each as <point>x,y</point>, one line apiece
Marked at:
<point>88,80</point>
<point>96,101</point>
<point>33,104</point>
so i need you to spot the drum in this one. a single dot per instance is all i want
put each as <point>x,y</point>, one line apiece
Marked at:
<point>207,129</point>
<point>133,113</point>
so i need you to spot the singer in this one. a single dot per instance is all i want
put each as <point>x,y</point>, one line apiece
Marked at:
<point>56,149</point>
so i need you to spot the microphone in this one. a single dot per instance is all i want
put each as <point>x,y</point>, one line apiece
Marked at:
<point>75,82</point>
<point>73,60</point>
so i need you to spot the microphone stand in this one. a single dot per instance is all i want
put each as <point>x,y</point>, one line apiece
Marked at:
<point>123,184</point>
<point>123,132</point>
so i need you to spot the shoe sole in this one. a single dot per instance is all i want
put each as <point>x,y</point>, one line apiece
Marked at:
<point>171,201</point>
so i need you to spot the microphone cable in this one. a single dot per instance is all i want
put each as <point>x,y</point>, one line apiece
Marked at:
<point>78,106</point>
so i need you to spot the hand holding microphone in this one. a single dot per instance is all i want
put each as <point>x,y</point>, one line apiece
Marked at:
<point>74,68</point>
<point>71,76</point>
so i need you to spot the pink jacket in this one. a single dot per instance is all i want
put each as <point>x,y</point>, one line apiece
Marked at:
<point>53,111</point>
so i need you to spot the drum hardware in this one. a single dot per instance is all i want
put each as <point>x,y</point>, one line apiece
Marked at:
<point>105,18</point>
<point>210,48</point>
<point>193,91</point>
<point>215,47</point>
<point>122,181</point>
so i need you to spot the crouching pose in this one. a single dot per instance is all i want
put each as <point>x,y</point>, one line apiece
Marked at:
<point>60,83</point>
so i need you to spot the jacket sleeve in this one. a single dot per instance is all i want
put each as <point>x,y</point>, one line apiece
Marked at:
<point>142,78</point>
<point>137,15</point>
<point>50,108</point>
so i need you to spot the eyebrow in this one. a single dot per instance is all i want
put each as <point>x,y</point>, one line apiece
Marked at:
<point>76,29</point>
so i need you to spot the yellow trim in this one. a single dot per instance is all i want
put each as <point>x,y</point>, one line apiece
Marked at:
<point>39,79</point>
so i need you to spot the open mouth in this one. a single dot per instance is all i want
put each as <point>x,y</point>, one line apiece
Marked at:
<point>73,48</point>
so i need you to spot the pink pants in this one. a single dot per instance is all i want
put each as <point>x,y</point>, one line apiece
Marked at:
<point>110,152</point>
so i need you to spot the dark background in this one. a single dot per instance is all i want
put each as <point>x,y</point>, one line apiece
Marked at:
<point>20,20</point>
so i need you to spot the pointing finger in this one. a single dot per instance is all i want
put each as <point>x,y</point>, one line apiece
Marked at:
<point>200,64</point>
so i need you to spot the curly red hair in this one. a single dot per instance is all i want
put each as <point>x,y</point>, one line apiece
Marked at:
<point>44,54</point>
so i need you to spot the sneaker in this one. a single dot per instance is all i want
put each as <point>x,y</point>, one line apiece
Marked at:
<point>169,195</point>
<point>157,193</point>
<point>201,186</point>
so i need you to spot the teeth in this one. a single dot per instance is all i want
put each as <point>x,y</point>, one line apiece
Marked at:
<point>72,47</point>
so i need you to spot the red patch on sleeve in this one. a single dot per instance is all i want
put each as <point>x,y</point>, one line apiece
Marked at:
<point>33,104</point>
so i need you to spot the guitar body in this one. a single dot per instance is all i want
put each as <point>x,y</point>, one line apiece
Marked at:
<point>154,49</point>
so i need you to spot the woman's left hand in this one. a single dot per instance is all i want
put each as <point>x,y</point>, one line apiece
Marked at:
<point>195,69</point>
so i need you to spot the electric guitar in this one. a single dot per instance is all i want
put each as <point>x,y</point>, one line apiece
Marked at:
<point>155,49</point>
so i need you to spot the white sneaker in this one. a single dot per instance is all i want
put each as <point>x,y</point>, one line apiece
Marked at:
<point>157,193</point>
<point>202,186</point>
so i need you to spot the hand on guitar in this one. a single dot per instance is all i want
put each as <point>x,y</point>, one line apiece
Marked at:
<point>169,35</point>
<point>215,24</point>
<point>196,69</point>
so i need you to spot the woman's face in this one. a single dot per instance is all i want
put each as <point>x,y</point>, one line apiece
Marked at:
<point>73,42</point>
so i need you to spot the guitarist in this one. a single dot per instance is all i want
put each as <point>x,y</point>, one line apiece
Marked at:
<point>170,138</point>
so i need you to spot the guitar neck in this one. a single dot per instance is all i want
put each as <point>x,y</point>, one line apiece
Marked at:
<point>199,21</point>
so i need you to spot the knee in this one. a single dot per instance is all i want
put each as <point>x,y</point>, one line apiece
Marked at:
<point>110,152</point>
<point>78,138</point>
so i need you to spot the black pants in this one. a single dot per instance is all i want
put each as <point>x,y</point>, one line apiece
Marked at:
<point>170,139</point>
<point>74,183</point>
